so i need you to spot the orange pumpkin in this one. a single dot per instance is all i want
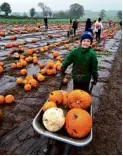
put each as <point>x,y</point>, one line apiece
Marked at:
<point>48,105</point>
<point>1,64</point>
<point>41,50</point>
<point>19,80</point>
<point>34,41</point>
<point>35,61</point>
<point>12,51</point>
<point>79,99</point>
<point>42,65</point>
<point>55,54</point>
<point>78,123</point>
<point>97,25</point>
<point>40,77</point>
<point>2,99</point>
<point>65,98</point>
<point>9,99</point>
<point>24,63</point>
<point>9,45</point>
<point>13,38</point>
<point>50,65</point>
<point>1,69</point>
<point>23,72</point>
<point>58,67</point>
<point>43,71</point>
<point>46,48</point>
<point>21,49</point>
<point>14,44</point>
<point>51,71</point>
<point>58,58</point>
<point>27,87</point>
<point>33,82</point>
<point>25,81</point>
<point>29,51</point>
<point>30,58</point>
<point>35,55</point>
<point>22,57</point>
<point>19,65</point>
<point>2,33</point>
<point>13,65</point>
<point>56,96</point>
<point>29,77</point>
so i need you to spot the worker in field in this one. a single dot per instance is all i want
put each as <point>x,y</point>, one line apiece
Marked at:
<point>98,29</point>
<point>85,63</point>
<point>46,22</point>
<point>75,26</point>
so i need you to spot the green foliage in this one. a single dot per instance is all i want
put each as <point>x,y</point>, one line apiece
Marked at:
<point>76,10</point>
<point>5,7</point>
<point>102,14</point>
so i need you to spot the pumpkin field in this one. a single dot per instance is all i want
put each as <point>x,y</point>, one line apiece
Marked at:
<point>30,69</point>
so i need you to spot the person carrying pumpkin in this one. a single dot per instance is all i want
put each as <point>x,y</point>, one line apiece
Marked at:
<point>98,29</point>
<point>85,63</point>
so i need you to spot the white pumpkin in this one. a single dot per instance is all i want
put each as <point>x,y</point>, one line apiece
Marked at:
<point>53,119</point>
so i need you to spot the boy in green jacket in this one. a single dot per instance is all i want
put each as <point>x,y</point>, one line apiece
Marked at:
<point>84,62</point>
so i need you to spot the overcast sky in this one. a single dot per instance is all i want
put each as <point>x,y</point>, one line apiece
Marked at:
<point>55,5</point>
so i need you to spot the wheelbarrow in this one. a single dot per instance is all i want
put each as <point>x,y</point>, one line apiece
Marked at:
<point>60,135</point>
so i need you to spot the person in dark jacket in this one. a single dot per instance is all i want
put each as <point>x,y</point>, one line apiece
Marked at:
<point>85,63</point>
<point>88,24</point>
<point>121,23</point>
<point>75,26</point>
<point>46,22</point>
<point>70,21</point>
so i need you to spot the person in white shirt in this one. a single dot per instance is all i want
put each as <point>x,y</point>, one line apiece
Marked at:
<point>98,28</point>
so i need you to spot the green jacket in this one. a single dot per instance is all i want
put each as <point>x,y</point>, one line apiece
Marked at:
<point>84,62</point>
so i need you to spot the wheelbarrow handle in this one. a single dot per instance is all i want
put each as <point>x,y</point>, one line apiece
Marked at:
<point>91,87</point>
<point>62,78</point>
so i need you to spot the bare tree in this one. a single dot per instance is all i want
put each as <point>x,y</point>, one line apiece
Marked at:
<point>46,10</point>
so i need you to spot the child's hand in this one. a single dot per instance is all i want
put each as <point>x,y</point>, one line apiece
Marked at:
<point>95,80</point>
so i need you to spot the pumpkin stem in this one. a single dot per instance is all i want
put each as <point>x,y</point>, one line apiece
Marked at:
<point>75,116</point>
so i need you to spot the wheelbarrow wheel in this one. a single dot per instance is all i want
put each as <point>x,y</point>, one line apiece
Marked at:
<point>48,146</point>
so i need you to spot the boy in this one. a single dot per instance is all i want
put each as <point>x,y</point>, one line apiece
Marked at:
<point>84,63</point>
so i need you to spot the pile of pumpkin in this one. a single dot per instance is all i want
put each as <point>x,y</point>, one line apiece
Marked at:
<point>68,111</point>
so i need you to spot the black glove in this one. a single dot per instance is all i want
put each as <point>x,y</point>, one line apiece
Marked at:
<point>63,71</point>
<point>95,80</point>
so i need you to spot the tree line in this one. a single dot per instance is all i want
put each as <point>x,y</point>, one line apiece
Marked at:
<point>75,11</point>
